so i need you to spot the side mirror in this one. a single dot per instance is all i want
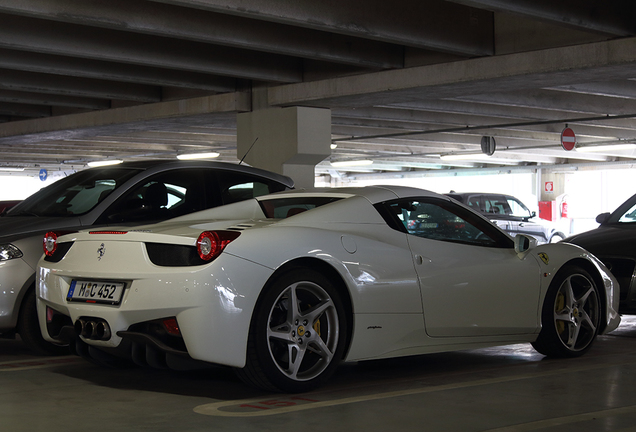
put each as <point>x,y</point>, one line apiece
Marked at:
<point>524,243</point>
<point>533,214</point>
<point>602,218</point>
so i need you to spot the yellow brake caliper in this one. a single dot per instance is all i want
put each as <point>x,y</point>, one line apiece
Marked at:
<point>317,327</point>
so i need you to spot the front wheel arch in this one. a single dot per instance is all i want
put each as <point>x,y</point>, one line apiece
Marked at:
<point>598,280</point>
<point>571,313</point>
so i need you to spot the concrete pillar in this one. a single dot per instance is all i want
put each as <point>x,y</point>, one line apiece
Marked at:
<point>289,141</point>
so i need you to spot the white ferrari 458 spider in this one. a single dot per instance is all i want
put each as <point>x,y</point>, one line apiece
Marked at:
<point>285,286</point>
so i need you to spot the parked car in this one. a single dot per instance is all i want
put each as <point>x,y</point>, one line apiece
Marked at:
<point>129,193</point>
<point>614,243</point>
<point>284,286</point>
<point>511,215</point>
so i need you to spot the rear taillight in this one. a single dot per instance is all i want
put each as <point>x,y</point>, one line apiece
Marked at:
<point>210,244</point>
<point>49,243</point>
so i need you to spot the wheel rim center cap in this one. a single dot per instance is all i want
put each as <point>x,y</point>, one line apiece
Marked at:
<point>300,330</point>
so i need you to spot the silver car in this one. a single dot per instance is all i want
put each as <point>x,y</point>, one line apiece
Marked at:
<point>510,214</point>
<point>130,194</point>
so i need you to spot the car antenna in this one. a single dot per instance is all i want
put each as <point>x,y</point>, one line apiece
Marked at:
<point>248,150</point>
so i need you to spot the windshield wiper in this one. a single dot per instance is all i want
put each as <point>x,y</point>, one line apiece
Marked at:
<point>22,213</point>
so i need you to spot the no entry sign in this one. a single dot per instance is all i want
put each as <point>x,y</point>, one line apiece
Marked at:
<point>568,139</point>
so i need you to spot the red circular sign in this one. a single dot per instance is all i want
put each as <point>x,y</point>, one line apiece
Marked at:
<point>568,139</point>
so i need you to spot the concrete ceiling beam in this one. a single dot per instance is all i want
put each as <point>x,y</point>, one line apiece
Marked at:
<point>83,87</point>
<point>433,24</point>
<point>52,100</point>
<point>106,70</point>
<point>546,68</point>
<point>136,117</point>
<point>613,18</point>
<point>23,110</point>
<point>50,37</point>
<point>212,28</point>
<point>560,100</point>
<point>624,89</point>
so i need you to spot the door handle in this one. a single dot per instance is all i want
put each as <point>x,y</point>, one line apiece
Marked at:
<point>419,259</point>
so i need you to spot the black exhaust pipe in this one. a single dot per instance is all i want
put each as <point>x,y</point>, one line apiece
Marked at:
<point>92,329</point>
<point>101,331</point>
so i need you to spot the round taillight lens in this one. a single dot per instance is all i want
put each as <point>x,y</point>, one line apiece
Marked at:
<point>49,243</point>
<point>208,245</point>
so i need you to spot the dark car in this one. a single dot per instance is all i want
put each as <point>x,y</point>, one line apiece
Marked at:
<point>509,214</point>
<point>6,205</point>
<point>614,243</point>
<point>131,193</point>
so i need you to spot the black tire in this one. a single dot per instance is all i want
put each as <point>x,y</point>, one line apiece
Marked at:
<point>571,314</point>
<point>556,237</point>
<point>29,329</point>
<point>295,349</point>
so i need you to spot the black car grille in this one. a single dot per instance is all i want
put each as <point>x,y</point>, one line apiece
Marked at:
<point>168,255</point>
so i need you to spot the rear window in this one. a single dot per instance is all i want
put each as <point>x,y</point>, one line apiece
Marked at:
<point>287,207</point>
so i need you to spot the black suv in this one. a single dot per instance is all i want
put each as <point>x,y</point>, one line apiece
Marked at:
<point>509,214</point>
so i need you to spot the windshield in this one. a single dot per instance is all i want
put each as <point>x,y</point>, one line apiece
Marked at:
<point>499,205</point>
<point>625,213</point>
<point>629,216</point>
<point>518,209</point>
<point>74,195</point>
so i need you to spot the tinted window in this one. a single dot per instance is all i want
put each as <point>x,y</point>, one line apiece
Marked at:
<point>497,205</point>
<point>441,220</point>
<point>76,194</point>
<point>162,196</point>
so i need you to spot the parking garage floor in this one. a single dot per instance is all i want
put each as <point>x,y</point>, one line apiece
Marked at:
<point>509,388</point>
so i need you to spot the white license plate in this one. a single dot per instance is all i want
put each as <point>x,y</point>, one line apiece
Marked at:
<point>96,292</point>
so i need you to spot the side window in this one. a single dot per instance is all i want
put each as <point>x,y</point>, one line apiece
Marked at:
<point>495,204</point>
<point>476,202</point>
<point>438,219</point>
<point>162,196</point>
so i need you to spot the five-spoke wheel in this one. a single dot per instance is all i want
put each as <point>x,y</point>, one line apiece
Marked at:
<point>297,335</point>
<point>571,314</point>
